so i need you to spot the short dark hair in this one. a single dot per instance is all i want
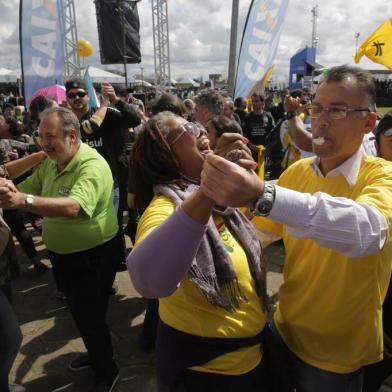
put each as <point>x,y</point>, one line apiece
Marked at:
<point>15,128</point>
<point>296,93</point>
<point>222,125</point>
<point>262,99</point>
<point>168,103</point>
<point>238,102</point>
<point>38,105</point>
<point>363,78</point>
<point>384,125</point>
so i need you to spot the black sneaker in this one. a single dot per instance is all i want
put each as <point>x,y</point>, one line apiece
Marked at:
<point>80,363</point>
<point>105,384</point>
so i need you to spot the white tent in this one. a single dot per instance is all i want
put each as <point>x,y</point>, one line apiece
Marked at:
<point>187,82</point>
<point>8,76</point>
<point>99,75</point>
<point>139,82</point>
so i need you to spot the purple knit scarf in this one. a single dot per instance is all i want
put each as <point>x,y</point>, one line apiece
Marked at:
<point>212,269</point>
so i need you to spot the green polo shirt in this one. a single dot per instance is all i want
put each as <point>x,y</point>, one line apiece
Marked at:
<point>88,180</point>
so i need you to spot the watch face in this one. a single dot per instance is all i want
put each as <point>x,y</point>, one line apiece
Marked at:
<point>266,201</point>
<point>29,200</point>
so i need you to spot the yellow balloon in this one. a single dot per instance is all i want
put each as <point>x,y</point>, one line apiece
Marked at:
<point>85,48</point>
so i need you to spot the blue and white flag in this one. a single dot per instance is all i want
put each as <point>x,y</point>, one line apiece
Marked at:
<point>259,44</point>
<point>93,101</point>
<point>41,43</point>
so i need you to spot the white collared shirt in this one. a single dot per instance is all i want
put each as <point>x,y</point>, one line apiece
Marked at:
<point>315,216</point>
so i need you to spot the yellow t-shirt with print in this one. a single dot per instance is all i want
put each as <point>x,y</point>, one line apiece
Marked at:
<point>330,308</point>
<point>187,309</point>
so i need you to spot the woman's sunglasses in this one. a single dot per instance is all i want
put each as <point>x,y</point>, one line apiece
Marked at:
<point>190,128</point>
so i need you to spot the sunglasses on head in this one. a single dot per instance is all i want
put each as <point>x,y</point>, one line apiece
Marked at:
<point>80,94</point>
<point>190,128</point>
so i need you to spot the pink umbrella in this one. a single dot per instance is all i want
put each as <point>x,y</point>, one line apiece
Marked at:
<point>55,92</point>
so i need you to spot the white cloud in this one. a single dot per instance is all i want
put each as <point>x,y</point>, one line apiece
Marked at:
<point>200,33</point>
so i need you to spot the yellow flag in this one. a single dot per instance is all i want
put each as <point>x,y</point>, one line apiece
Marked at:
<point>378,46</point>
<point>267,75</point>
<point>260,86</point>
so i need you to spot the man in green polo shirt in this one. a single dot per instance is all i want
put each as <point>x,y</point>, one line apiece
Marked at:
<point>73,191</point>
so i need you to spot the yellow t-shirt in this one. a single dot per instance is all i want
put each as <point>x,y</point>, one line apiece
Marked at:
<point>187,309</point>
<point>330,309</point>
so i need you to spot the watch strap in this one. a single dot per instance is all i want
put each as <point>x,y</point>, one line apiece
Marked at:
<point>265,202</point>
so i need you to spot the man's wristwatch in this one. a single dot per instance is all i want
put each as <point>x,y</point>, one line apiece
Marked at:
<point>29,201</point>
<point>264,203</point>
<point>290,114</point>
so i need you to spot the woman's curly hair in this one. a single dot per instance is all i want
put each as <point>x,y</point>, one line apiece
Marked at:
<point>153,161</point>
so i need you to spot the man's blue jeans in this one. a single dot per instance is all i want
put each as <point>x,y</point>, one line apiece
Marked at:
<point>10,339</point>
<point>290,373</point>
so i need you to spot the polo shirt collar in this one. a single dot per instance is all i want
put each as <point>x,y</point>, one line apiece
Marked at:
<point>349,169</point>
<point>73,162</point>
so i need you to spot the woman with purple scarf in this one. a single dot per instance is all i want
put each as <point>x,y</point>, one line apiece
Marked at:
<point>203,262</point>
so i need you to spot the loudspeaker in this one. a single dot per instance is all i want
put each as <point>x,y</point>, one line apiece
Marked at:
<point>118,31</point>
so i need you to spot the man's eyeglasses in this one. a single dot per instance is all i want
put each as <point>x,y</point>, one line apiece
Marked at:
<point>334,113</point>
<point>190,128</point>
<point>80,94</point>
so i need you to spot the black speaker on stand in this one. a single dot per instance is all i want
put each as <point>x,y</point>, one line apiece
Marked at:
<point>118,32</point>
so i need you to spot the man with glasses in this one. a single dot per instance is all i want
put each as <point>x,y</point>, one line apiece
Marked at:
<point>107,137</point>
<point>334,213</point>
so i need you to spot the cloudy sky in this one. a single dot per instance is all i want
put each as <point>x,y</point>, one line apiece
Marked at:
<point>200,33</point>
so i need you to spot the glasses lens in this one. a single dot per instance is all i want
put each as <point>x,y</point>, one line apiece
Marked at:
<point>337,113</point>
<point>315,111</point>
<point>193,129</point>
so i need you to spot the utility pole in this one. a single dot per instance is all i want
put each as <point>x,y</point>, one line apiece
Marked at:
<point>233,47</point>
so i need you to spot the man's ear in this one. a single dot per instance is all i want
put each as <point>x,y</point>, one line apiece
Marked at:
<point>371,122</point>
<point>73,135</point>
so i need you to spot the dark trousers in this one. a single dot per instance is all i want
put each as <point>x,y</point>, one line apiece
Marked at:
<point>288,373</point>
<point>14,219</point>
<point>376,374</point>
<point>253,381</point>
<point>148,334</point>
<point>87,278</point>
<point>10,336</point>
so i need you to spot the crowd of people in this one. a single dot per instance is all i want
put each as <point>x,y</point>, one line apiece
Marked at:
<point>187,174</point>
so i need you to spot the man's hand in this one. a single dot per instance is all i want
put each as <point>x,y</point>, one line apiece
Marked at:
<point>230,143</point>
<point>229,184</point>
<point>291,104</point>
<point>107,90</point>
<point>10,197</point>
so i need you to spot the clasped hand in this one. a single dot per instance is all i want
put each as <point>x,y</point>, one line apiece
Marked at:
<point>10,197</point>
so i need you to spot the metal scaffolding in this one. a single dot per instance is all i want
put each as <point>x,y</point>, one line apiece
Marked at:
<point>161,45</point>
<point>71,52</point>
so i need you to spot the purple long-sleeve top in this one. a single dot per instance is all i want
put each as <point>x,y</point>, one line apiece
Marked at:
<point>157,265</point>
